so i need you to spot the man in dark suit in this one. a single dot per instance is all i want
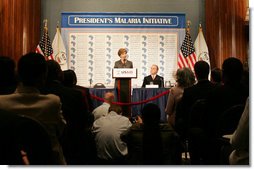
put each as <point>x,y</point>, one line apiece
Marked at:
<point>153,78</point>
<point>191,95</point>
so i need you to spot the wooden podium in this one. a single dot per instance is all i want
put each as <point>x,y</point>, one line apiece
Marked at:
<point>123,78</point>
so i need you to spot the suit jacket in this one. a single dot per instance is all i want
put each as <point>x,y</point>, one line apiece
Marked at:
<point>76,115</point>
<point>158,80</point>
<point>45,108</point>
<point>201,90</point>
<point>119,64</point>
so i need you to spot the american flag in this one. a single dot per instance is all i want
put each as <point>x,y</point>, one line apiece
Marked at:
<point>187,56</point>
<point>44,47</point>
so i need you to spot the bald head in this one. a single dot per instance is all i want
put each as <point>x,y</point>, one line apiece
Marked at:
<point>109,97</point>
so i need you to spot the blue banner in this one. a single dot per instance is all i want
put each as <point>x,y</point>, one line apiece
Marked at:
<point>123,20</point>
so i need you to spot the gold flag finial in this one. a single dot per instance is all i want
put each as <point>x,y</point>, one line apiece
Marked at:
<point>57,25</point>
<point>45,22</point>
<point>188,25</point>
<point>200,27</point>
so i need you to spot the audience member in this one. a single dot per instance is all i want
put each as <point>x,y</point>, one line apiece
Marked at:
<point>28,101</point>
<point>153,78</point>
<point>198,91</point>
<point>216,76</point>
<point>186,108</point>
<point>70,80</point>
<point>8,82</point>
<point>107,129</point>
<point>102,110</point>
<point>223,97</point>
<point>184,78</point>
<point>74,112</point>
<point>240,140</point>
<point>229,94</point>
<point>152,143</point>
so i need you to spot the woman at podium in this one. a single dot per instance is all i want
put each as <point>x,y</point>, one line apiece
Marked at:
<point>123,62</point>
<point>123,85</point>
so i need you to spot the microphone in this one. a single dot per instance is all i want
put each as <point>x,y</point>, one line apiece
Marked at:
<point>124,62</point>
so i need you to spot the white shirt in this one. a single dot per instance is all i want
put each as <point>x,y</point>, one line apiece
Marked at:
<point>107,131</point>
<point>101,110</point>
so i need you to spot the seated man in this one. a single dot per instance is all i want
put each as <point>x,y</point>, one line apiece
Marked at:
<point>107,129</point>
<point>153,78</point>
<point>27,100</point>
<point>102,110</point>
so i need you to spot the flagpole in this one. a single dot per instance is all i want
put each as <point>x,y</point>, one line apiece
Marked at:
<point>45,44</point>
<point>199,37</point>
<point>58,32</point>
<point>188,31</point>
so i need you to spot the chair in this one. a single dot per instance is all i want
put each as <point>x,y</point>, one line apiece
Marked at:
<point>23,134</point>
<point>197,114</point>
<point>229,119</point>
<point>195,134</point>
<point>99,85</point>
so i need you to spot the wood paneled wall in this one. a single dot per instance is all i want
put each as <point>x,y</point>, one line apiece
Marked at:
<point>225,28</point>
<point>20,27</point>
<point>226,31</point>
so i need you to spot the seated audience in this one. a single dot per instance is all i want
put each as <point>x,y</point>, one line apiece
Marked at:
<point>184,78</point>
<point>102,110</point>
<point>107,130</point>
<point>8,82</point>
<point>28,101</point>
<point>152,143</point>
<point>153,78</point>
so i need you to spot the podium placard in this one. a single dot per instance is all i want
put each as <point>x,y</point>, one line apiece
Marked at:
<point>152,86</point>
<point>124,73</point>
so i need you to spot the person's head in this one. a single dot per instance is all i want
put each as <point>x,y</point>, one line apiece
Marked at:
<point>216,75</point>
<point>8,80</point>
<point>115,108</point>
<point>201,69</point>
<point>232,70</point>
<point>185,77</point>
<point>154,69</point>
<point>151,114</point>
<point>69,78</point>
<point>54,71</point>
<point>122,53</point>
<point>32,69</point>
<point>109,97</point>
<point>7,69</point>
